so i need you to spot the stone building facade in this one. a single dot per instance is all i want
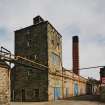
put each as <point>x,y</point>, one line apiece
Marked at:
<point>73,85</point>
<point>54,63</point>
<point>30,84</point>
<point>42,43</point>
<point>4,84</point>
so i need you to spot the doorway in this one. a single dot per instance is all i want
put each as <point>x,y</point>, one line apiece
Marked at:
<point>23,95</point>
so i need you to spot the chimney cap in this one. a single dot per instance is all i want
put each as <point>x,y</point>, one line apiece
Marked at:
<point>37,19</point>
<point>75,38</point>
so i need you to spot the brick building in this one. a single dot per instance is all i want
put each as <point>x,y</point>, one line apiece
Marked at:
<point>42,43</point>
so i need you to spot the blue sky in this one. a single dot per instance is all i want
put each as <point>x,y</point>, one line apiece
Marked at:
<point>85,18</point>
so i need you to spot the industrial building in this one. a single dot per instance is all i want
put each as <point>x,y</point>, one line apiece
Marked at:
<point>42,43</point>
<point>102,82</point>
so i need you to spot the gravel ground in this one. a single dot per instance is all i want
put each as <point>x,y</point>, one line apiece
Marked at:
<point>61,102</point>
<point>81,100</point>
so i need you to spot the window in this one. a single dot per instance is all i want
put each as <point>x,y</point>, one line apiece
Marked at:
<point>23,94</point>
<point>28,32</point>
<point>28,35</point>
<point>55,59</point>
<point>52,41</point>
<point>36,93</point>
<point>35,56</point>
<point>28,73</point>
<point>58,45</point>
<point>28,44</point>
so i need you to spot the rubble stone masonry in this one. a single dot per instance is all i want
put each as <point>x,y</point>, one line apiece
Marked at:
<point>4,85</point>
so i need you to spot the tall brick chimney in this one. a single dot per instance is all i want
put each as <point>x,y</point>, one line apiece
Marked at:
<point>75,54</point>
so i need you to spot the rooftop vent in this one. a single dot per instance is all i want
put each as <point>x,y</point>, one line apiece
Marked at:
<point>37,20</point>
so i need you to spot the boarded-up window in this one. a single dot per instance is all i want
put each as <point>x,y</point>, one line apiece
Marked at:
<point>36,93</point>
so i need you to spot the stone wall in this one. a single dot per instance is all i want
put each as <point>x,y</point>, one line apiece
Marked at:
<point>102,93</point>
<point>31,43</point>
<point>29,84</point>
<point>4,85</point>
<point>54,49</point>
<point>54,63</point>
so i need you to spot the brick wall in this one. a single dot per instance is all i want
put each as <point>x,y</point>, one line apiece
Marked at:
<point>75,53</point>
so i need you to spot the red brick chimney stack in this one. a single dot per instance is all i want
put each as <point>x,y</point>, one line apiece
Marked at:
<point>75,54</point>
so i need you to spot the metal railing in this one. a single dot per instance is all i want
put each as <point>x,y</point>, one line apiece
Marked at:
<point>6,55</point>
